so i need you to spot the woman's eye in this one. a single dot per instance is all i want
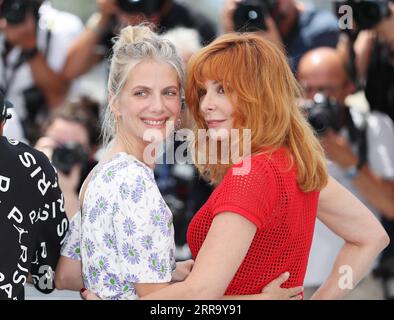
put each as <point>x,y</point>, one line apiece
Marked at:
<point>221,90</point>
<point>171,93</point>
<point>202,92</point>
<point>140,93</point>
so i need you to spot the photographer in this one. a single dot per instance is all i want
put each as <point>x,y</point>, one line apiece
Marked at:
<point>286,22</point>
<point>96,41</point>
<point>33,45</point>
<point>358,146</point>
<point>371,50</point>
<point>32,221</point>
<point>70,140</point>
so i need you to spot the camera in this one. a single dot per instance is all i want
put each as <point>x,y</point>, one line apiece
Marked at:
<point>366,13</point>
<point>67,155</point>
<point>249,15</point>
<point>146,7</point>
<point>15,11</point>
<point>323,113</point>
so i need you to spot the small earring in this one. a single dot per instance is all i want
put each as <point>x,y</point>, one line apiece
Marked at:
<point>178,124</point>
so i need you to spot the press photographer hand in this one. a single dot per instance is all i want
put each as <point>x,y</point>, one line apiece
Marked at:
<point>338,149</point>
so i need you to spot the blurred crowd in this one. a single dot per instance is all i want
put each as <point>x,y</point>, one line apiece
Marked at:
<point>337,55</point>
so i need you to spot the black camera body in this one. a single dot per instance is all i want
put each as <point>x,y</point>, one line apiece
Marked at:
<point>366,13</point>
<point>249,15</point>
<point>67,155</point>
<point>15,11</point>
<point>323,113</point>
<point>146,7</point>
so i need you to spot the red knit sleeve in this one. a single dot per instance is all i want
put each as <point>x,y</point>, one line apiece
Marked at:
<point>251,194</point>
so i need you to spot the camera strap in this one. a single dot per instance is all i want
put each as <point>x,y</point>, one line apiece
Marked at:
<point>21,59</point>
<point>358,136</point>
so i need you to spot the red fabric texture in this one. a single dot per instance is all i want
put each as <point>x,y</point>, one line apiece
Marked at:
<point>270,197</point>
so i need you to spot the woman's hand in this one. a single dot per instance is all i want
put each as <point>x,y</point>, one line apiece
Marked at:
<point>273,290</point>
<point>88,295</point>
<point>183,268</point>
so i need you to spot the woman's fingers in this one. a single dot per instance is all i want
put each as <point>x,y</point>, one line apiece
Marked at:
<point>88,295</point>
<point>295,291</point>
<point>278,281</point>
<point>299,297</point>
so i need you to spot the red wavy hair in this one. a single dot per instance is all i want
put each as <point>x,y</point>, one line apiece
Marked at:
<point>256,72</point>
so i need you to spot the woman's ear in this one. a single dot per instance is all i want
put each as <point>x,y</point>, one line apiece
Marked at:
<point>114,105</point>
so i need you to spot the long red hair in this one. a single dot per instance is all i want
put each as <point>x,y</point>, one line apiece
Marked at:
<point>256,72</point>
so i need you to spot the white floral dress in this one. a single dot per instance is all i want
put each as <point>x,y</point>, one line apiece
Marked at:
<point>125,233</point>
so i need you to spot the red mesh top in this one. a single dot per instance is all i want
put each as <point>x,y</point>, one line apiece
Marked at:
<point>268,196</point>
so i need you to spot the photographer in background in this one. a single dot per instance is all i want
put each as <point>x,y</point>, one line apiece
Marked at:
<point>358,146</point>
<point>286,22</point>
<point>32,220</point>
<point>33,46</point>
<point>370,52</point>
<point>70,140</point>
<point>96,41</point>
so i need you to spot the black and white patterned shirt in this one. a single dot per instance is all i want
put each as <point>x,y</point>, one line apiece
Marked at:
<point>33,222</point>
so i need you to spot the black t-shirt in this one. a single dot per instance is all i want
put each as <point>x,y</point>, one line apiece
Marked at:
<point>380,81</point>
<point>33,222</point>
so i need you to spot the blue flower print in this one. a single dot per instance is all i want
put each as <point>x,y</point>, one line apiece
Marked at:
<point>130,254</point>
<point>132,278</point>
<point>147,242</point>
<point>109,174</point>
<point>92,213</point>
<point>162,269</point>
<point>166,226</point>
<point>89,247</point>
<point>155,216</point>
<point>124,190</point>
<point>111,282</point>
<point>101,205</point>
<point>139,190</point>
<point>121,165</point>
<point>128,284</point>
<point>129,226</point>
<point>93,275</point>
<point>153,261</point>
<point>109,240</point>
<point>75,252</point>
<point>115,208</point>
<point>103,263</point>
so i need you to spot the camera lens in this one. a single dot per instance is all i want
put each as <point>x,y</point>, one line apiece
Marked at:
<point>68,155</point>
<point>249,16</point>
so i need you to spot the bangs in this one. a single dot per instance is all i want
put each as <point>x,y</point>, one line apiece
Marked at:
<point>210,67</point>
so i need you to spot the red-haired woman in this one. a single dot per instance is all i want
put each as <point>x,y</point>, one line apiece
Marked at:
<point>259,221</point>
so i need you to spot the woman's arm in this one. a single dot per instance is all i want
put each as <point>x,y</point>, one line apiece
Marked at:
<point>364,239</point>
<point>219,258</point>
<point>68,275</point>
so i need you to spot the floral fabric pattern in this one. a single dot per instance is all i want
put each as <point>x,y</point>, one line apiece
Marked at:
<point>124,234</point>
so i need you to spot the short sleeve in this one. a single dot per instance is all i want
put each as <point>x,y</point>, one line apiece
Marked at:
<point>72,245</point>
<point>250,192</point>
<point>144,231</point>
